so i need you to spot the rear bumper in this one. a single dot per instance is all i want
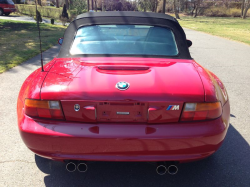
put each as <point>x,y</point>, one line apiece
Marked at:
<point>124,142</point>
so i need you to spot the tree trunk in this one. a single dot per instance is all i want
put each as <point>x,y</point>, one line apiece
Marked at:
<point>103,5</point>
<point>242,7</point>
<point>57,3</point>
<point>156,5</point>
<point>195,11</point>
<point>175,11</point>
<point>39,2</point>
<point>196,8</point>
<point>92,4</point>
<point>88,5</point>
<point>67,4</point>
<point>164,7</point>
<point>95,5</point>
<point>245,12</point>
<point>192,12</point>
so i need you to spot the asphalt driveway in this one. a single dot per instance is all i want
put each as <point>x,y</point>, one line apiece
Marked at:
<point>26,18</point>
<point>230,166</point>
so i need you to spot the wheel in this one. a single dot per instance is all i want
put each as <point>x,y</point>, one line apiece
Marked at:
<point>1,12</point>
<point>6,14</point>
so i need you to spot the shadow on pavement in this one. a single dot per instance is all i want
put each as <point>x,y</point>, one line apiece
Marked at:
<point>229,166</point>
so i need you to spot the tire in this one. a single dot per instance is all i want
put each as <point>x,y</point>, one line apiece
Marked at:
<point>1,12</point>
<point>6,14</point>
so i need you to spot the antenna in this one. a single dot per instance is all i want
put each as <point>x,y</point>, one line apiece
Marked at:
<point>38,17</point>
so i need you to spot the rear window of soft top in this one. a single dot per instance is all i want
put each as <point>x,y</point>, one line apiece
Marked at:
<point>124,40</point>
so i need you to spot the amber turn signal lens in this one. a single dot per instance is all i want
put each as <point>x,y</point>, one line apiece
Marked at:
<point>201,111</point>
<point>36,103</point>
<point>43,109</point>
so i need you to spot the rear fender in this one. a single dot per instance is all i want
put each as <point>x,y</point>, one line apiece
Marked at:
<point>214,89</point>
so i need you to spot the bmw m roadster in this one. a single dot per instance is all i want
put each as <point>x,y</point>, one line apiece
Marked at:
<point>123,88</point>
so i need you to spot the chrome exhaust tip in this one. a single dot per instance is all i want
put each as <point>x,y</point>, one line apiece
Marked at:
<point>172,169</point>
<point>161,170</point>
<point>82,167</point>
<point>71,167</point>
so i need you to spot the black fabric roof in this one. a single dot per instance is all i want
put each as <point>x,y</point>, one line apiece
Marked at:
<point>120,17</point>
<point>126,14</point>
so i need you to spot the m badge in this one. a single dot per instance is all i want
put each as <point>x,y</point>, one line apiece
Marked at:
<point>173,107</point>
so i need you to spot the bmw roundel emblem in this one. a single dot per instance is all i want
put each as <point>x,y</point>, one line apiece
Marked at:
<point>77,107</point>
<point>122,85</point>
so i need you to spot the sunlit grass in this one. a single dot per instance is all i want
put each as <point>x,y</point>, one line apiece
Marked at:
<point>232,28</point>
<point>19,41</point>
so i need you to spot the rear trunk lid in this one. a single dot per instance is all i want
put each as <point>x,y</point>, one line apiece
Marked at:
<point>158,88</point>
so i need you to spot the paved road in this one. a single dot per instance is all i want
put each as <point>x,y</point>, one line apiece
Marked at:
<point>230,166</point>
<point>26,18</point>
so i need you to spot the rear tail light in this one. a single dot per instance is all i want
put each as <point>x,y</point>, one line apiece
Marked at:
<point>201,111</point>
<point>43,109</point>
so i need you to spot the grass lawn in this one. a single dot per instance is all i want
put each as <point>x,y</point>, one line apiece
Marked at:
<point>19,41</point>
<point>232,28</point>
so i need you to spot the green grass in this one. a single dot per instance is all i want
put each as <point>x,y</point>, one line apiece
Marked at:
<point>232,28</point>
<point>19,41</point>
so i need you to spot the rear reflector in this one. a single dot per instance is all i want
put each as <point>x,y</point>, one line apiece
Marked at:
<point>43,109</point>
<point>201,111</point>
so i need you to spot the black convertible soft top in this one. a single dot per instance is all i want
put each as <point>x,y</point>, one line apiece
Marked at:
<point>122,18</point>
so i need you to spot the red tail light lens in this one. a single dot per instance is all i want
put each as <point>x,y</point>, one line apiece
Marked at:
<point>43,109</point>
<point>201,111</point>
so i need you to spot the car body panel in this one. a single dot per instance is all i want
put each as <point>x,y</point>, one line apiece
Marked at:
<point>214,89</point>
<point>31,88</point>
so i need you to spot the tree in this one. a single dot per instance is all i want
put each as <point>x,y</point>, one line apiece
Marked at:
<point>155,5</point>
<point>67,4</point>
<point>57,3</point>
<point>65,16</point>
<point>39,2</point>
<point>95,2</point>
<point>92,4</point>
<point>164,7</point>
<point>244,8</point>
<point>79,6</point>
<point>152,5</point>
<point>148,5</point>
<point>71,2</point>
<point>103,9</point>
<point>196,8</point>
<point>176,12</point>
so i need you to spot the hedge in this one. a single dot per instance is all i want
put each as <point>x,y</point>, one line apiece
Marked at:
<point>222,12</point>
<point>46,11</point>
<point>221,4</point>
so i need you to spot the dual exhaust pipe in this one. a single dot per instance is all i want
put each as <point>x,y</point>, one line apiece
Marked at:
<point>162,169</point>
<point>73,166</point>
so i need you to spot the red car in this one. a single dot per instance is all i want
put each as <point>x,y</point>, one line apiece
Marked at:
<point>123,88</point>
<point>6,7</point>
